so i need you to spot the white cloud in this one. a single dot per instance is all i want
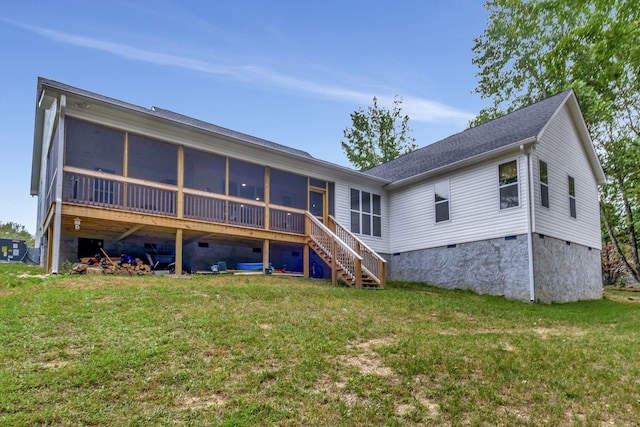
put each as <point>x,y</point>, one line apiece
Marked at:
<point>418,109</point>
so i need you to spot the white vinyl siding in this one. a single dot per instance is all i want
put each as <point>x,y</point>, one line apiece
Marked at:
<point>565,155</point>
<point>474,210</point>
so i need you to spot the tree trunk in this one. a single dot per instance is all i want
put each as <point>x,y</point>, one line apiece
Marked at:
<point>632,232</point>
<point>614,240</point>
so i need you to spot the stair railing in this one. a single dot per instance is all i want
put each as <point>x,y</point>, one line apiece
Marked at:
<point>341,256</point>
<point>372,263</point>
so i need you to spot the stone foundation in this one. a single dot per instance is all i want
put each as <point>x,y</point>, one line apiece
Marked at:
<point>565,272</point>
<point>495,267</point>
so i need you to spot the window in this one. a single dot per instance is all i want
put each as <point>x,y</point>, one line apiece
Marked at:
<point>508,184</point>
<point>366,213</point>
<point>441,190</point>
<point>572,198</point>
<point>544,185</point>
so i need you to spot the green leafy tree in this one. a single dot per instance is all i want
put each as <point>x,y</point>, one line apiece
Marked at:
<point>377,135</point>
<point>15,231</point>
<point>533,49</point>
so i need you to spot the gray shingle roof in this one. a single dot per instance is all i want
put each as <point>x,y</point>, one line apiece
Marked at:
<point>511,128</point>
<point>174,117</point>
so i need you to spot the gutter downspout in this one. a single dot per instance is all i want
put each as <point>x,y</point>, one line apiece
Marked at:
<point>530,222</point>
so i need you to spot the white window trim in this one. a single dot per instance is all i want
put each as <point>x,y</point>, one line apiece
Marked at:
<point>572,197</point>
<point>499,187</point>
<point>371,214</point>
<point>448,201</point>
<point>545,184</point>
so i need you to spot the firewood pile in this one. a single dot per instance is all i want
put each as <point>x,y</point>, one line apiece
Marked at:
<point>106,265</point>
<point>135,269</point>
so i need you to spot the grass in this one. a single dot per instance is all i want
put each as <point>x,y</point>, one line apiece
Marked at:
<point>270,350</point>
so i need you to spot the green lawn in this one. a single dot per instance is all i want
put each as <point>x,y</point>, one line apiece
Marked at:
<point>269,350</point>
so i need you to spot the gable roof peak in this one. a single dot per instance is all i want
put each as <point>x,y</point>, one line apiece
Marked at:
<point>523,124</point>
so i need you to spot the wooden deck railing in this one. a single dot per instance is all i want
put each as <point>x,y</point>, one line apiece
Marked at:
<point>286,220</point>
<point>372,263</point>
<point>205,208</point>
<point>144,198</point>
<point>117,192</point>
<point>93,190</point>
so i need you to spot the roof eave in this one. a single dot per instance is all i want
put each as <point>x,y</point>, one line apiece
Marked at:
<point>515,146</point>
<point>42,99</point>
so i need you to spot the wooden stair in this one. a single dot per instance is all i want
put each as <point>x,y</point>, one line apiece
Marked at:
<point>351,262</point>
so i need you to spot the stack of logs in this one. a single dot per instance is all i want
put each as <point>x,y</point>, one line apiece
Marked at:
<point>108,266</point>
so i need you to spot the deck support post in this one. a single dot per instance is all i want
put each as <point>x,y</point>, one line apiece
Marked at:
<point>305,251</point>
<point>265,255</point>
<point>178,264</point>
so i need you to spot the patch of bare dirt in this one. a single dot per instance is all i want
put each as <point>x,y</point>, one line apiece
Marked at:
<point>542,331</point>
<point>625,295</point>
<point>200,402</point>
<point>367,364</point>
<point>365,360</point>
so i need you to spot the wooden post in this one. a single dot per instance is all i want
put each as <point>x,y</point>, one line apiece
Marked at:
<point>265,255</point>
<point>49,265</point>
<point>178,264</point>
<point>180,182</point>
<point>334,262</point>
<point>226,190</point>
<point>305,251</point>
<point>267,199</point>
<point>358,273</point>
<point>125,170</point>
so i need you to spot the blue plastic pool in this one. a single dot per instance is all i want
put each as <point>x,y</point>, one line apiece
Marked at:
<point>249,266</point>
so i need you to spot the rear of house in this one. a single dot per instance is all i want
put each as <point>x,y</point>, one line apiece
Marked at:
<point>506,208</point>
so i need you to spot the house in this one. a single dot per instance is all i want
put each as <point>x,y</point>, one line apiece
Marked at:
<point>506,208</point>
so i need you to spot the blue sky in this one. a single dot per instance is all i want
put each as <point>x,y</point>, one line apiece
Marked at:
<point>283,70</point>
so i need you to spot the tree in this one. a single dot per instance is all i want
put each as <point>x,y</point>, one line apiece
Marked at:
<point>375,136</point>
<point>533,49</point>
<point>15,231</point>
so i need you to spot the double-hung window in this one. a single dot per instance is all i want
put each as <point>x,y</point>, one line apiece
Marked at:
<point>441,200</point>
<point>544,185</point>
<point>572,198</point>
<point>508,185</point>
<point>366,213</point>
